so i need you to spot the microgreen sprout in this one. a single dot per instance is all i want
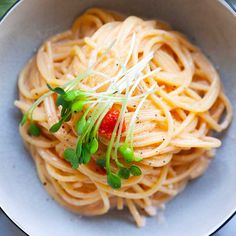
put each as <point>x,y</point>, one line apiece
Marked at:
<point>57,90</point>
<point>24,119</point>
<point>80,125</point>
<point>56,127</point>
<point>34,129</point>
<point>124,173</point>
<point>78,106</point>
<point>101,162</point>
<point>70,156</point>
<point>74,94</point>
<point>86,156</point>
<point>113,180</point>
<point>135,170</point>
<point>126,152</point>
<point>93,146</point>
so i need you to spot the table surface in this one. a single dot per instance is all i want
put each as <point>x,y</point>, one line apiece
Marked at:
<point>7,228</point>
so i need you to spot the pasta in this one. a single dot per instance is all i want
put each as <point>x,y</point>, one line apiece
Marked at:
<point>162,94</point>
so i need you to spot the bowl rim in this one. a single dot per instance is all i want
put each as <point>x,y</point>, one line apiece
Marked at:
<point>225,3</point>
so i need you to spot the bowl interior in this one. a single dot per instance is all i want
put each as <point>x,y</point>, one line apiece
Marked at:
<point>201,208</point>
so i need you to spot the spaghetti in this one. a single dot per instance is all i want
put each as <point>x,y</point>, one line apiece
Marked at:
<point>148,100</point>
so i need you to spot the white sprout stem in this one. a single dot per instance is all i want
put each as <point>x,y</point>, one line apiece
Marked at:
<point>120,124</point>
<point>129,136</point>
<point>95,115</point>
<point>120,98</point>
<point>106,109</point>
<point>136,69</point>
<point>72,84</point>
<point>121,73</point>
<point>132,123</point>
<point>130,74</point>
<point>121,117</point>
<point>89,71</point>
<point>35,104</point>
<point>121,84</point>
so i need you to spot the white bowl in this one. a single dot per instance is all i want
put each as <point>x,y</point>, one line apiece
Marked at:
<point>205,204</point>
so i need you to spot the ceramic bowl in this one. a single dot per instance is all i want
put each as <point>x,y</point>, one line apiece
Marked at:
<point>204,205</point>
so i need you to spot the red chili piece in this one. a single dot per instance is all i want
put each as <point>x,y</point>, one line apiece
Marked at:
<point>109,122</point>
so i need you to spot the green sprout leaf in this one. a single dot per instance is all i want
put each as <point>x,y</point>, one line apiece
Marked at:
<point>62,102</point>
<point>126,152</point>
<point>74,94</point>
<point>124,173</point>
<point>101,162</point>
<point>114,180</point>
<point>56,127</point>
<point>34,130</point>
<point>67,117</point>
<point>71,95</point>
<point>93,146</point>
<point>137,159</point>
<point>86,156</point>
<point>135,170</point>
<point>77,106</point>
<point>70,156</point>
<point>80,125</point>
<point>65,111</point>
<point>78,149</point>
<point>57,90</point>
